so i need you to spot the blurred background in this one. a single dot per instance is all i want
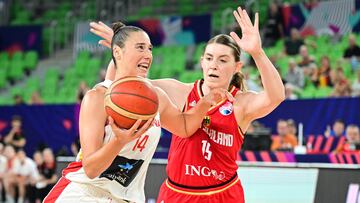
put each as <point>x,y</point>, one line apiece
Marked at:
<point>307,150</point>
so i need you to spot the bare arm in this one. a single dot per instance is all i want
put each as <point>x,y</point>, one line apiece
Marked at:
<point>91,125</point>
<point>110,71</point>
<point>10,136</point>
<point>184,124</point>
<point>176,90</point>
<point>257,105</point>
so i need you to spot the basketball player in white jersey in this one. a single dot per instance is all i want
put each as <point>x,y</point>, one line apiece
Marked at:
<point>112,164</point>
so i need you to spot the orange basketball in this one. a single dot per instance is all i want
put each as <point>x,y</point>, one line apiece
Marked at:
<point>129,99</point>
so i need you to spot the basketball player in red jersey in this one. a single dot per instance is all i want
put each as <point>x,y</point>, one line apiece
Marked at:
<point>202,168</point>
<point>113,162</point>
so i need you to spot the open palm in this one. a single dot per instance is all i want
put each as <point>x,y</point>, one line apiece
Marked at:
<point>250,41</point>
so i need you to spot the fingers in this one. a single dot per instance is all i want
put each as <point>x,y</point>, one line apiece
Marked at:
<point>219,95</point>
<point>229,97</point>
<point>236,38</point>
<point>242,18</point>
<point>105,43</point>
<point>145,127</point>
<point>106,27</point>
<point>246,18</point>
<point>238,19</point>
<point>134,128</point>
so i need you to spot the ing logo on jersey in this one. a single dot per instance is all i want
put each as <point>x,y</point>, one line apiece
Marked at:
<point>226,109</point>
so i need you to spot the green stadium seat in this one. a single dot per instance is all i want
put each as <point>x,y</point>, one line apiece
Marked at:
<point>190,76</point>
<point>31,59</point>
<point>323,92</point>
<point>308,92</point>
<point>2,78</point>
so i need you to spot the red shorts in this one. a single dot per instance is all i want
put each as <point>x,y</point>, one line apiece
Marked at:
<point>232,192</point>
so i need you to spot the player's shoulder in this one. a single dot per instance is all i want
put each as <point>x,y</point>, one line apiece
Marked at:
<point>95,95</point>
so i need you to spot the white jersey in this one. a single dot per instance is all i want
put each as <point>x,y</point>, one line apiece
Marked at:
<point>125,178</point>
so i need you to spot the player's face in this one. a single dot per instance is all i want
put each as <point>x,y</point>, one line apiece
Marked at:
<point>219,65</point>
<point>137,54</point>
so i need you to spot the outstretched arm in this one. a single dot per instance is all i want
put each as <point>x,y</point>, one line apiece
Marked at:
<point>169,86</point>
<point>258,105</point>
<point>185,124</point>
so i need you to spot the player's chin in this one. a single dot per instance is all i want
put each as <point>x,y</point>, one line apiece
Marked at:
<point>142,73</point>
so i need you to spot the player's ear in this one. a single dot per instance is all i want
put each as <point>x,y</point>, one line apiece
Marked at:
<point>239,65</point>
<point>117,52</point>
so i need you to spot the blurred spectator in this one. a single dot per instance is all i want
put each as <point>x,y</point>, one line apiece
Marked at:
<point>284,141</point>
<point>36,98</point>
<point>292,44</point>
<point>342,86</point>
<point>83,88</point>
<point>337,129</point>
<point>16,136</point>
<point>3,167</point>
<point>352,52</point>
<point>289,92</point>
<point>273,30</point>
<point>295,75</point>
<point>18,100</point>
<point>75,146</point>
<point>352,143</point>
<point>305,58</point>
<point>250,82</point>
<point>311,75</point>
<point>291,127</point>
<point>324,79</point>
<point>48,175</point>
<point>257,138</point>
<point>10,176</point>
<point>356,85</point>
<point>32,193</point>
<point>27,174</point>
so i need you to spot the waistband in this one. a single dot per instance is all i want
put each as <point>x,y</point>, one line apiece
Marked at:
<point>202,190</point>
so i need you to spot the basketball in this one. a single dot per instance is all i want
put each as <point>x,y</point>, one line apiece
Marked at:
<point>129,99</point>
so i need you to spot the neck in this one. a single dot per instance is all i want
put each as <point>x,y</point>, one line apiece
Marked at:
<point>206,89</point>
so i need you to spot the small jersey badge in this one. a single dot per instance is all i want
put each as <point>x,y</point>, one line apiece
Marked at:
<point>226,109</point>
<point>206,121</point>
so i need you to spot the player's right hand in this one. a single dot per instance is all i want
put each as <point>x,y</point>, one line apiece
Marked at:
<point>102,30</point>
<point>217,95</point>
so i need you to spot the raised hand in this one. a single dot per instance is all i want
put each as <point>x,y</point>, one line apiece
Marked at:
<point>217,95</point>
<point>102,30</point>
<point>125,135</point>
<point>250,41</point>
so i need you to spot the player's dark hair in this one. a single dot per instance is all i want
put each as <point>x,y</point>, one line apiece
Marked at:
<point>121,33</point>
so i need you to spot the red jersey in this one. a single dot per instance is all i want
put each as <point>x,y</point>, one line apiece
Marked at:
<point>209,156</point>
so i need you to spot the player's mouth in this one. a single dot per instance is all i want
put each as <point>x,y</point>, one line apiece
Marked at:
<point>144,66</point>
<point>213,76</point>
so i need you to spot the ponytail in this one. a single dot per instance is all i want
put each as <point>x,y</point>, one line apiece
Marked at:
<point>238,80</point>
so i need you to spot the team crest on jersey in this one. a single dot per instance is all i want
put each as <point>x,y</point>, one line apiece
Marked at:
<point>206,121</point>
<point>226,109</point>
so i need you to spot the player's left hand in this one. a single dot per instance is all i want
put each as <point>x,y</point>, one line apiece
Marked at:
<point>250,41</point>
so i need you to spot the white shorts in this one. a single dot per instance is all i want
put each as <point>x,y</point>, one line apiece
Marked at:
<point>76,193</point>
